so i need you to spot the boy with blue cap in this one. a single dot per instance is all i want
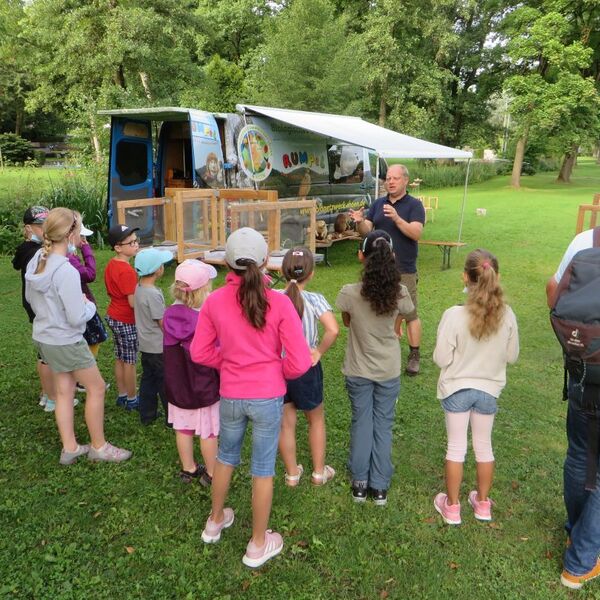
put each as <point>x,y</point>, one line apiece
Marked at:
<point>149,306</point>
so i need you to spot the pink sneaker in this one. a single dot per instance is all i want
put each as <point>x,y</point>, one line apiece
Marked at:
<point>255,557</point>
<point>212,530</point>
<point>481,508</point>
<point>450,512</point>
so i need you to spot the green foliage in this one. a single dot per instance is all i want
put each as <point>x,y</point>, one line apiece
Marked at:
<point>435,175</point>
<point>15,150</point>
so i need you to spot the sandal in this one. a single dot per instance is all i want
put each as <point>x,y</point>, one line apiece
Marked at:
<point>189,476</point>
<point>294,480</point>
<point>322,478</point>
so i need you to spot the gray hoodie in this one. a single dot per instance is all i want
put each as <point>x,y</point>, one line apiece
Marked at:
<point>57,301</point>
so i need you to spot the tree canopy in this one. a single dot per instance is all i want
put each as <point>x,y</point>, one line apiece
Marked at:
<point>452,71</point>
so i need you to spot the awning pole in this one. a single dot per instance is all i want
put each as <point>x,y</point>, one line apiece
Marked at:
<point>377,177</point>
<point>464,200</point>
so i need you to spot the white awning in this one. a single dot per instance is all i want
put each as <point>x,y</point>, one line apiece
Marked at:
<point>355,131</point>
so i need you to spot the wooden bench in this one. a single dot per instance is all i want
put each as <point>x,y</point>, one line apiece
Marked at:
<point>445,248</point>
<point>324,245</point>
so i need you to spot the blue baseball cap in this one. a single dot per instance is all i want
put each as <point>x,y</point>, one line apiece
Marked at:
<point>149,260</point>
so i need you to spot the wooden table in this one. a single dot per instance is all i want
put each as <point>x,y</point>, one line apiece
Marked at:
<point>445,248</point>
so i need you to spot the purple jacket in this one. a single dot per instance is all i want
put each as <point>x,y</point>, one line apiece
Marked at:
<point>86,269</point>
<point>187,384</point>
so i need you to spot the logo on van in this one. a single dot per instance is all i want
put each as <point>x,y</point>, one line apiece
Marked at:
<point>255,151</point>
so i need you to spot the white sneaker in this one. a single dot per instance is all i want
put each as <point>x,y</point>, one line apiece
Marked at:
<point>43,400</point>
<point>256,557</point>
<point>51,404</point>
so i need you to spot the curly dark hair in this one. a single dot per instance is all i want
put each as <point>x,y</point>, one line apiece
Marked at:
<point>381,279</point>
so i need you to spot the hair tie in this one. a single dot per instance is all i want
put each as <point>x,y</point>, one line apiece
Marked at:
<point>485,264</point>
<point>297,253</point>
<point>294,281</point>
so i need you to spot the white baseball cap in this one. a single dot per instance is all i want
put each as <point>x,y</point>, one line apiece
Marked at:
<point>245,244</point>
<point>85,231</point>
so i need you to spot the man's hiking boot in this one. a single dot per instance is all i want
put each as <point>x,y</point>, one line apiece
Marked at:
<point>413,364</point>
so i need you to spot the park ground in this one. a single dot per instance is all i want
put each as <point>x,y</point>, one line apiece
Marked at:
<point>133,530</point>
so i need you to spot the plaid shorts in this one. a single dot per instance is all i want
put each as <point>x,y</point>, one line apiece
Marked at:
<point>125,340</point>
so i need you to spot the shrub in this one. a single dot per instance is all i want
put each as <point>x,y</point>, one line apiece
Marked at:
<point>15,150</point>
<point>436,175</point>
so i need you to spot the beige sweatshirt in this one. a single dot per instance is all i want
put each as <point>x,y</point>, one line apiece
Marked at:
<point>466,362</point>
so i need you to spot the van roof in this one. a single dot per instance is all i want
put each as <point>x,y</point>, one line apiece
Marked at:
<point>158,113</point>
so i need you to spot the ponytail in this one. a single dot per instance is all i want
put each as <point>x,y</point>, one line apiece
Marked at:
<point>485,302</point>
<point>251,295</point>
<point>297,266</point>
<point>46,245</point>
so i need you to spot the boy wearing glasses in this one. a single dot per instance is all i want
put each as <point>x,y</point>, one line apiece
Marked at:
<point>120,279</point>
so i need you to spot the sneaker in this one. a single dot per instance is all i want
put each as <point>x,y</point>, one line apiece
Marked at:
<point>450,512</point>
<point>68,458</point>
<point>189,476</point>
<point>359,491</point>
<point>379,497</point>
<point>256,557</point>
<point>481,508</point>
<point>121,401</point>
<point>43,400</point>
<point>575,582</point>
<point>50,405</point>
<point>108,453</point>
<point>79,388</point>
<point>414,363</point>
<point>132,404</point>
<point>212,530</point>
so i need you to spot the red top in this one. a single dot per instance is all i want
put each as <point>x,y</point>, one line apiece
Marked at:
<point>120,279</point>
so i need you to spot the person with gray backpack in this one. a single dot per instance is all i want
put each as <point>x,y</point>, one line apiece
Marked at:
<point>573,295</point>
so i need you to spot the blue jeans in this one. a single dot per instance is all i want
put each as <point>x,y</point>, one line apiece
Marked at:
<point>373,410</point>
<point>470,399</point>
<point>583,507</point>
<point>265,416</point>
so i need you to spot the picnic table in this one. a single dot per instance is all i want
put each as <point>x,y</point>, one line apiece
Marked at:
<point>324,245</point>
<point>445,248</point>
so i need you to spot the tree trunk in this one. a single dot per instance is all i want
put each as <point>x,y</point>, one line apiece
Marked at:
<point>19,120</point>
<point>146,85</point>
<point>568,163</point>
<point>95,139</point>
<point>515,180</point>
<point>382,105</point>
<point>119,77</point>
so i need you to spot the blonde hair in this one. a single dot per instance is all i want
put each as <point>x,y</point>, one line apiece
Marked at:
<point>193,298</point>
<point>59,225</point>
<point>485,302</point>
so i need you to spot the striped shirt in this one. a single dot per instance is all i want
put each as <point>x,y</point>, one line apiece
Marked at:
<point>314,306</point>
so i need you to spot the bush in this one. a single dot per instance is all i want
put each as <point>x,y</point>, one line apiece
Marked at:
<point>83,191</point>
<point>40,157</point>
<point>436,175</point>
<point>15,150</point>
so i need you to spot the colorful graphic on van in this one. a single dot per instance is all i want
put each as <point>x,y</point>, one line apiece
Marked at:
<point>254,149</point>
<point>204,130</point>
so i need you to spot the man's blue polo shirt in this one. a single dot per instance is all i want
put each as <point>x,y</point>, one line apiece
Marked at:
<point>410,209</point>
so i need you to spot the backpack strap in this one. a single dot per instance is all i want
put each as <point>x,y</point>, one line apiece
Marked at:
<point>596,238</point>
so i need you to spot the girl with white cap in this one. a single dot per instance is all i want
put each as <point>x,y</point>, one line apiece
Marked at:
<point>192,390</point>
<point>242,331</point>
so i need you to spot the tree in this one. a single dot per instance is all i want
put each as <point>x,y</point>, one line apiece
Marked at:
<point>547,89</point>
<point>116,54</point>
<point>308,60</point>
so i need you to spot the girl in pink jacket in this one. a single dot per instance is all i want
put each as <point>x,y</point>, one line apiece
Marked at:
<point>253,335</point>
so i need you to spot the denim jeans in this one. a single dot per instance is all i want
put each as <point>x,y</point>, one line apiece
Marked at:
<point>152,387</point>
<point>470,399</point>
<point>373,410</point>
<point>583,507</point>
<point>265,416</point>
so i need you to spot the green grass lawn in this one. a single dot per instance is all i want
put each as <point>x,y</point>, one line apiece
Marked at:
<point>18,183</point>
<point>133,530</point>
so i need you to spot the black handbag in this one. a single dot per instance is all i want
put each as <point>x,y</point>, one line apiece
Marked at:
<point>94,331</point>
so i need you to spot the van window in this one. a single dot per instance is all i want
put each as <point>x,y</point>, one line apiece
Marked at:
<point>132,163</point>
<point>345,164</point>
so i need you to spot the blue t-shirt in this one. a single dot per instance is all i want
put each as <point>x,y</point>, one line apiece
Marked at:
<point>405,249</point>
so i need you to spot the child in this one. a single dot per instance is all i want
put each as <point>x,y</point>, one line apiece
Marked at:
<point>191,389</point>
<point>33,219</point>
<point>242,329</point>
<point>306,392</point>
<point>149,304</point>
<point>474,344</point>
<point>53,288</point>
<point>121,280</point>
<point>94,333</point>
<point>372,310</point>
